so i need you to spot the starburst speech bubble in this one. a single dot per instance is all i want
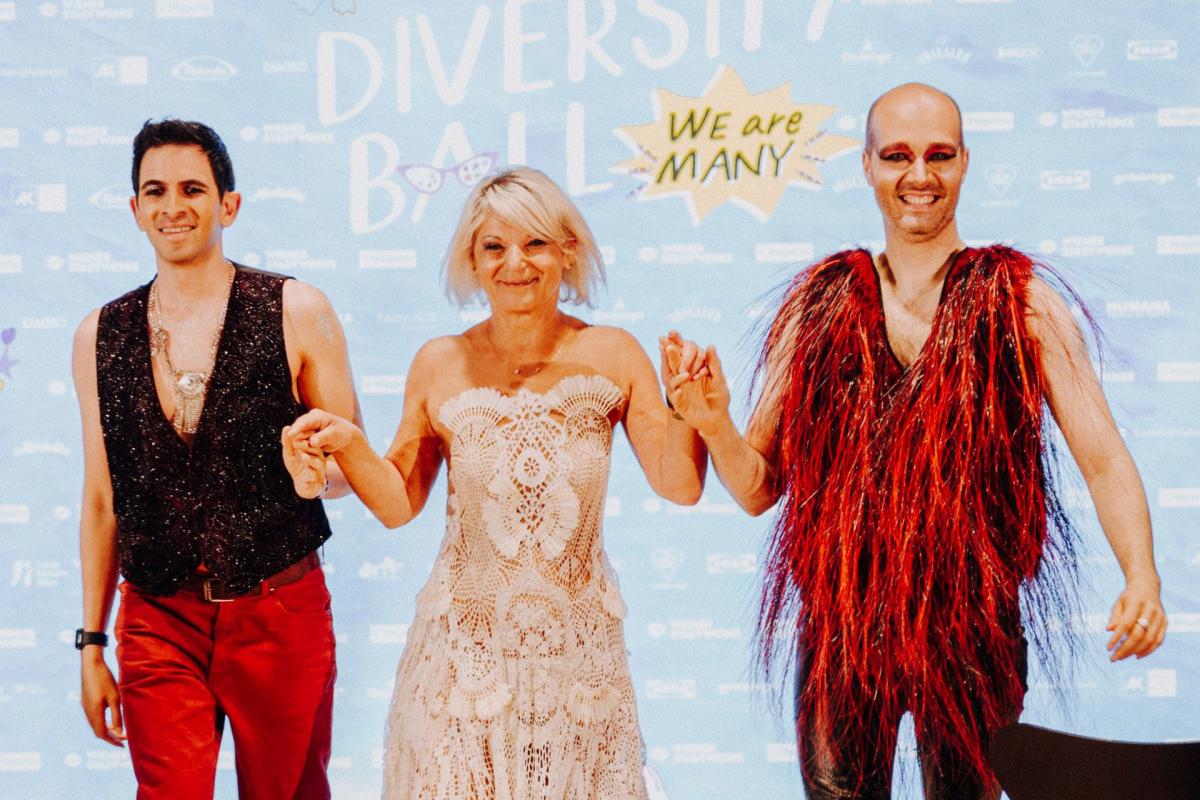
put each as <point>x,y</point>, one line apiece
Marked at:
<point>730,145</point>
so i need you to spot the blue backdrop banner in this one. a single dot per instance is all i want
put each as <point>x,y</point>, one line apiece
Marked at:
<point>713,147</point>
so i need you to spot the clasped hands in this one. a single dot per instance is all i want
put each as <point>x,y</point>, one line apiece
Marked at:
<point>694,382</point>
<point>307,443</point>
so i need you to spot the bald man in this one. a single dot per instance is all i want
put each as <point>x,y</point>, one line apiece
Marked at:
<point>902,428</point>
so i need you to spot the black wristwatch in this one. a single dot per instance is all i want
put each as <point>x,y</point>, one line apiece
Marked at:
<point>84,638</point>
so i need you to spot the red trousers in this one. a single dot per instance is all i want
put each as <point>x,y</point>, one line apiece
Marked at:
<point>265,662</point>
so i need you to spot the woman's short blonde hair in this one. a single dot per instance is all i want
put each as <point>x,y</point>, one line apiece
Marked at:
<point>527,199</point>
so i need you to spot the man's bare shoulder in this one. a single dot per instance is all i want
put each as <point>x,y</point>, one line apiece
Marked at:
<point>303,302</point>
<point>85,334</point>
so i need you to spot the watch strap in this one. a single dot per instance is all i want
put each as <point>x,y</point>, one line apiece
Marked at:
<point>84,638</point>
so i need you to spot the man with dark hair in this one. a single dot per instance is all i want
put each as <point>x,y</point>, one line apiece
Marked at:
<point>902,429</point>
<point>184,385</point>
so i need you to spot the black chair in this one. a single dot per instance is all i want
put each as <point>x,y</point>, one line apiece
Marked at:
<point>1035,763</point>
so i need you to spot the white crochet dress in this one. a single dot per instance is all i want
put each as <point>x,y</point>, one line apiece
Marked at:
<point>514,683</point>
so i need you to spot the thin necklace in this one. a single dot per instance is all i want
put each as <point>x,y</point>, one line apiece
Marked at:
<point>520,369</point>
<point>190,386</point>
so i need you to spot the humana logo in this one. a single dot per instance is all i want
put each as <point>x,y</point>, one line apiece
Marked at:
<point>204,68</point>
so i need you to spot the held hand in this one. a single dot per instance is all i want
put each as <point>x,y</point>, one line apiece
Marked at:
<point>1138,621</point>
<point>680,357</point>
<point>98,693</point>
<point>321,432</point>
<point>304,463</point>
<point>702,402</point>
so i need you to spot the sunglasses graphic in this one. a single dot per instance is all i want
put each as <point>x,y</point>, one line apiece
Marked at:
<point>428,179</point>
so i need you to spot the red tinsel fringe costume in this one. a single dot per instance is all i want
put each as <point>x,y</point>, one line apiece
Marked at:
<point>916,504</point>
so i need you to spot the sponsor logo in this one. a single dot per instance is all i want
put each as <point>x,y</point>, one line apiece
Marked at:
<point>14,638</point>
<point>683,253</point>
<point>1179,117</point>
<point>703,753</point>
<point>984,121</point>
<point>1167,433</point>
<point>707,313</point>
<point>387,569</point>
<point>111,198</point>
<point>692,630</point>
<point>10,137</point>
<point>1017,53</point>
<point>85,136</point>
<point>278,193</point>
<point>43,448</point>
<point>742,687</point>
<point>1178,372</point>
<point>1156,178</point>
<point>383,384</point>
<point>388,634</point>
<point>667,561</point>
<point>668,689</point>
<point>296,261</point>
<point>1152,50</point>
<point>1186,623</point>
<point>1122,309</point>
<point>1086,47</point>
<point>783,252</point>
<point>45,198</point>
<point>731,563</point>
<point>93,261</point>
<point>867,54</point>
<point>1000,178</point>
<point>1185,245</point>
<point>1187,497</point>
<point>126,71</point>
<point>781,753</point>
<point>286,133</point>
<point>848,184</point>
<point>14,514</point>
<point>1152,683</point>
<point>284,67</point>
<point>387,259</point>
<point>20,762</point>
<point>410,320</point>
<point>82,10</point>
<point>183,9</point>
<point>204,68</point>
<point>943,52</point>
<point>1084,118</point>
<point>10,263</point>
<point>1084,247</point>
<point>1068,179</point>
<point>618,314</point>
<point>27,573</point>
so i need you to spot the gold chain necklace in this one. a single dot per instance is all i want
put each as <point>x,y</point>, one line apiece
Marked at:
<point>190,385</point>
<point>517,370</point>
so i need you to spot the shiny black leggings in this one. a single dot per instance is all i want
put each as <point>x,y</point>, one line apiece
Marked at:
<point>826,779</point>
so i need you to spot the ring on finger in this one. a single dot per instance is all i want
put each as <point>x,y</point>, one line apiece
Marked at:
<point>1143,622</point>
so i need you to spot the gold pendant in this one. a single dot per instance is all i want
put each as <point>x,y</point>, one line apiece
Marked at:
<point>191,384</point>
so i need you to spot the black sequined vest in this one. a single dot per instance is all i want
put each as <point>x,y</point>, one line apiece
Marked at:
<point>228,501</point>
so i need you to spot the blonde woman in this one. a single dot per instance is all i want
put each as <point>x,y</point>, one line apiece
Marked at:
<point>514,683</point>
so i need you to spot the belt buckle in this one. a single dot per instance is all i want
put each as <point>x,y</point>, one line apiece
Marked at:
<point>207,591</point>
